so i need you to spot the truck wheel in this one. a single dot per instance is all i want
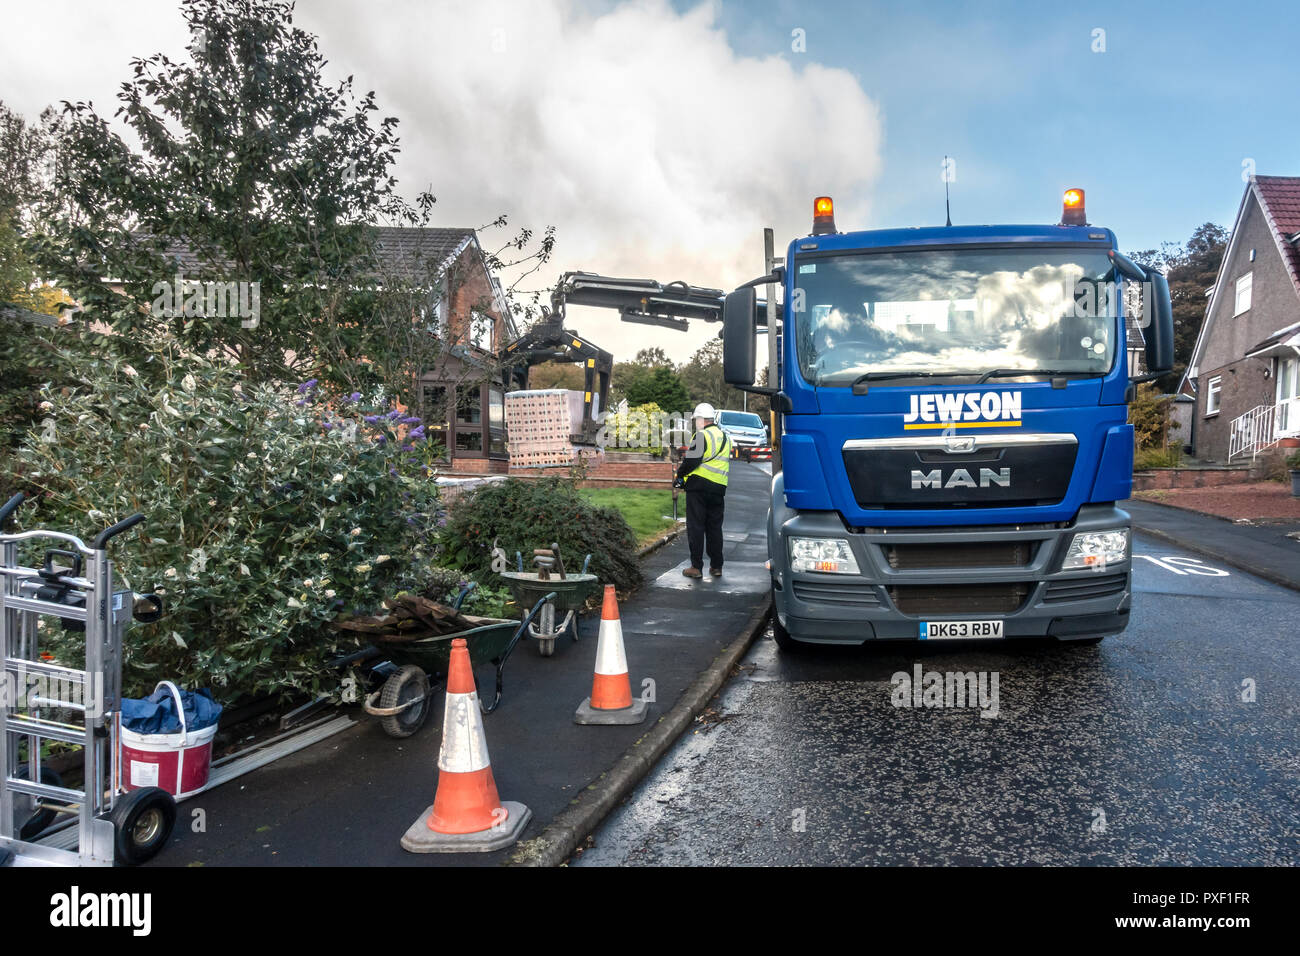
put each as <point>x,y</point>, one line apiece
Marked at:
<point>142,823</point>
<point>409,683</point>
<point>784,641</point>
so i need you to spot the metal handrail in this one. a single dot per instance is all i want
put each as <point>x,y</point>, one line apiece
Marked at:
<point>1254,431</point>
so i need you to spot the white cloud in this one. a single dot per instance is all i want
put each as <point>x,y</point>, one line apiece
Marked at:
<point>636,130</point>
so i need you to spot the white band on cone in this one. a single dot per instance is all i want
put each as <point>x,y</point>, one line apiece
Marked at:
<point>610,658</point>
<point>464,746</point>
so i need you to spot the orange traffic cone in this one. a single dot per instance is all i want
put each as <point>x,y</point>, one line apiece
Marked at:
<point>611,690</point>
<point>467,816</point>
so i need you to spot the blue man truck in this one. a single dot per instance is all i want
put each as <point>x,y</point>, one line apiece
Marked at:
<point>954,441</point>
<point>951,404</point>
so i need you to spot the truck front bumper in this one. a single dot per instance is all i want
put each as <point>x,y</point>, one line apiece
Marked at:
<point>908,576</point>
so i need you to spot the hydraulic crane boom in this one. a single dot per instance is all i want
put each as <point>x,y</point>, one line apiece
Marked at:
<point>643,301</point>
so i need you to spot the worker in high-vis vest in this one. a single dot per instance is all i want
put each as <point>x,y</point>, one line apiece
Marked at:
<point>703,473</point>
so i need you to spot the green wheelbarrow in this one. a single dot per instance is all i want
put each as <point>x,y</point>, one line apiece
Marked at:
<point>399,670</point>
<point>569,592</point>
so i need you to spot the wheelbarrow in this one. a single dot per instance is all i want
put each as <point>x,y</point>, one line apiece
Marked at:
<point>402,702</point>
<point>570,593</point>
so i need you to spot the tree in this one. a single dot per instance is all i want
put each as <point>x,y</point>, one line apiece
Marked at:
<point>273,180</point>
<point>556,375</point>
<point>653,358</point>
<point>25,151</point>
<point>663,388</point>
<point>27,352</point>
<point>1190,269</point>
<point>704,381</point>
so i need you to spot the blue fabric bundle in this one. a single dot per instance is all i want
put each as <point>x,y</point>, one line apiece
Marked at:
<point>156,714</point>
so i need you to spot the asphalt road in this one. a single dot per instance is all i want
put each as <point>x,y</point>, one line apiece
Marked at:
<point>1174,743</point>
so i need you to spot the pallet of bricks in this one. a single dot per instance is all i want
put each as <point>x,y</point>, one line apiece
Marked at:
<point>539,423</point>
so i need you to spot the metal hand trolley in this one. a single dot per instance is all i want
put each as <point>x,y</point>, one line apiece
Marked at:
<point>112,825</point>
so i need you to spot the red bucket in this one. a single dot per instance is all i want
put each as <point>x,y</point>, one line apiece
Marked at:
<point>178,763</point>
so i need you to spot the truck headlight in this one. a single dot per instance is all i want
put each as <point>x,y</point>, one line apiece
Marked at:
<point>831,555</point>
<point>1094,549</point>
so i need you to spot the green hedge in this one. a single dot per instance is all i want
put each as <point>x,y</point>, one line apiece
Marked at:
<point>520,515</point>
<point>269,512</point>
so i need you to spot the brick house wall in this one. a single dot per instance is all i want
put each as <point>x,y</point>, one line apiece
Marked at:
<point>463,393</point>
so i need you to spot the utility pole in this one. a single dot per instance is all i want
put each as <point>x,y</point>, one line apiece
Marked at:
<point>773,379</point>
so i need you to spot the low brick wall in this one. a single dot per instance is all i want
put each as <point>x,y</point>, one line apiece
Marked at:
<point>613,474</point>
<point>649,473</point>
<point>1160,479</point>
<point>477,466</point>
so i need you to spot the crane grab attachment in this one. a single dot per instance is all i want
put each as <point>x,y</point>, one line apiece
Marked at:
<point>642,301</point>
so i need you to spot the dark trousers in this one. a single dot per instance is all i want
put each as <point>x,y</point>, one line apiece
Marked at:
<point>704,506</point>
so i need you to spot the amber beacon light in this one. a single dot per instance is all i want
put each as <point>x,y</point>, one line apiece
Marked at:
<point>823,216</point>
<point>1072,212</point>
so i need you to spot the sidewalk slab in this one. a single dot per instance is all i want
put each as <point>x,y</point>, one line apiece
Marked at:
<point>348,800</point>
<point>1265,551</point>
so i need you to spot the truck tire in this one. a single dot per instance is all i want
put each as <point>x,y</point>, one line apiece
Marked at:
<point>786,643</point>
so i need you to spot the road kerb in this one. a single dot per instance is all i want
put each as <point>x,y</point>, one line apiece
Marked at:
<point>1200,547</point>
<point>556,843</point>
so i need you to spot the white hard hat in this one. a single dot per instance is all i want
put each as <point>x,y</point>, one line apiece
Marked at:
<point>705,410</point>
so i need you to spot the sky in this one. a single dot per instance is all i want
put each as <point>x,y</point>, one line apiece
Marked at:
<point>660,136</point>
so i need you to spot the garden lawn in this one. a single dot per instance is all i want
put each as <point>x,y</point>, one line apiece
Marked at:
<point>642,508</point>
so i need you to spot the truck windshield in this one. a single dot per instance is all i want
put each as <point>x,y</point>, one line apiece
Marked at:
<point>740,419</point>
<point>955,312</point>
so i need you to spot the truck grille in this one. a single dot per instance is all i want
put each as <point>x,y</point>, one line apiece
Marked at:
<point>969,599</point>
<point>999,471</point>
<point>979,554</point>
<point>837,592</point>
<point>1081,589</point>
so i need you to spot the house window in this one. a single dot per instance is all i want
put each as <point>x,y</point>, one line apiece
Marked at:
<point>480,332</point>
<point>469,419</point>
<point>1288,397</point>
<point>1212,396</point>
<point>436,316</point>
<point>1288,379</point>
<point>436,419</point>
<point>1243,293</point>
<point>496,423</point>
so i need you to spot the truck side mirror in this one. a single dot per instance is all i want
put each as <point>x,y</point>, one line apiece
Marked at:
<point>1160,333</point>
<point>739,337</point>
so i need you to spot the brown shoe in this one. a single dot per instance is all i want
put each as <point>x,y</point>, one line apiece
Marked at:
<point>692,572</point>
<point>716,572</point>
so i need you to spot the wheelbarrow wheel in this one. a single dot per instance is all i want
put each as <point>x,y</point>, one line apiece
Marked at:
<point>142,823</point>
<point>410,683</point>
<point>546,646</point>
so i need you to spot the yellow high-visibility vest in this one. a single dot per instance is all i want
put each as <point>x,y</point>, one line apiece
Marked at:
<point>716,463</point>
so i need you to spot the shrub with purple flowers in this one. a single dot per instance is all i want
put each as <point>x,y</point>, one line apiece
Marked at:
<point>269,510</point>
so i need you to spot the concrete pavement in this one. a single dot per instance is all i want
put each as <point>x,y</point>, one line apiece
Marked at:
<point>1265,550</point>
<point>348,800</point>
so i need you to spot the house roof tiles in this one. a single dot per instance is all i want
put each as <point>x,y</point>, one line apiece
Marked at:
<point>1280,198</point>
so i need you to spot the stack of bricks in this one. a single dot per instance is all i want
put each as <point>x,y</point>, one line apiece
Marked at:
<point>539,426</point>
